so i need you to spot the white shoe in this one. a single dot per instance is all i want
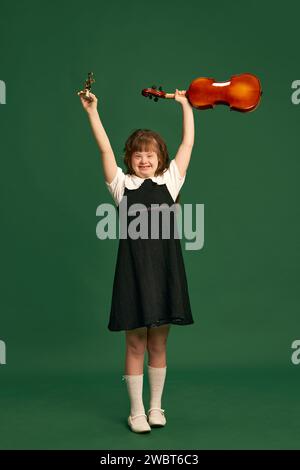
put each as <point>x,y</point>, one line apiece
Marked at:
<point>156,417</point>
<point>138,423</point>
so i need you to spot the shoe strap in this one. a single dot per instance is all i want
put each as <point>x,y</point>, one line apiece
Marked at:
<point>159,409</point>
<point>132,417</point>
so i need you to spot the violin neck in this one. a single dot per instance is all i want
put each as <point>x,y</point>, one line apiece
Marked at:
<point>170,95</point>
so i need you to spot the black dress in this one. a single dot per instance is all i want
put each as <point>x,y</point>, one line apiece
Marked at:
<point>150,286</point>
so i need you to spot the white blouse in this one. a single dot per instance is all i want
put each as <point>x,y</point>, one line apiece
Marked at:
<point>171,177</point>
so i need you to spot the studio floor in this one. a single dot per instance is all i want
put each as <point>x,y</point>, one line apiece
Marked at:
<point>210,408</point>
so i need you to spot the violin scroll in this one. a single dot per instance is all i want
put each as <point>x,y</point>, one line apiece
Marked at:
<point>150,92</point>
<point>85,93</point>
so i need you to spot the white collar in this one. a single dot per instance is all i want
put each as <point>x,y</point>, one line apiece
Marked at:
<point>134,181</point>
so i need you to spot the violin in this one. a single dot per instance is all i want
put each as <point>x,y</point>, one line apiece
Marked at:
<point>241,93</point>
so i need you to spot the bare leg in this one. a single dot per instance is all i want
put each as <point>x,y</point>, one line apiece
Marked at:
<point>156,345</point>
<point>136,342</point>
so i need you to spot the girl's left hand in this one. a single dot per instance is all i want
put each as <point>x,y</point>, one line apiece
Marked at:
<point>180,96</point>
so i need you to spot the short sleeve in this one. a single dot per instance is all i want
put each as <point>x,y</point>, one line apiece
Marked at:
<point>117,186</point>
<point>174,180</point>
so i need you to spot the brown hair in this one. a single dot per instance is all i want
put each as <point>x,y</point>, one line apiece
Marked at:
<point>145,139</point>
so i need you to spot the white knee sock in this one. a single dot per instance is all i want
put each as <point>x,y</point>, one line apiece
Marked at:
<point>135,391</point>
<point>157,377</point>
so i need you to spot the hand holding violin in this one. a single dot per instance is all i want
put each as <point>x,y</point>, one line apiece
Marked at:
<point>180,96</point>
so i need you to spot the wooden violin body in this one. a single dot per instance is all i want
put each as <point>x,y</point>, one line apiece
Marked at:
<point>241,93</point>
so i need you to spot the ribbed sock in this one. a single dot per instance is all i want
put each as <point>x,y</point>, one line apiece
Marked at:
<point>157,377</point>
<point>135,392</point>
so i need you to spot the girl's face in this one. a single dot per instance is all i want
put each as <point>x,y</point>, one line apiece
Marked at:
<point>144,164</point>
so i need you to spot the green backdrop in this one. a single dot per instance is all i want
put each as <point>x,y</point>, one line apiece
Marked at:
<point>230,380</point>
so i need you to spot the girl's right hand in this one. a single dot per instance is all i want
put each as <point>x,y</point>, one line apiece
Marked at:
<point>88,105</point>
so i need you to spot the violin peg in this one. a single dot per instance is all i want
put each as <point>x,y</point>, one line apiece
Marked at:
<point>160,88</point>
<point>156,98</point>
<point>150,97</point>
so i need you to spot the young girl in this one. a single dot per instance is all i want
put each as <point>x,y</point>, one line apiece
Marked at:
<point>150,289</point>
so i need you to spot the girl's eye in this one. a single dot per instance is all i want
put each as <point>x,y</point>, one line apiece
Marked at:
<point>151,156</point>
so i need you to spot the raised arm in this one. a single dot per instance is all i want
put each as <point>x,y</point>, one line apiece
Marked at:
<point>184,151</point>
<point>109,163</point>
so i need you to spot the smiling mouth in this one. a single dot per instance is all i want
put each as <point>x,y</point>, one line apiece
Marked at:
<point>144,166</point>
